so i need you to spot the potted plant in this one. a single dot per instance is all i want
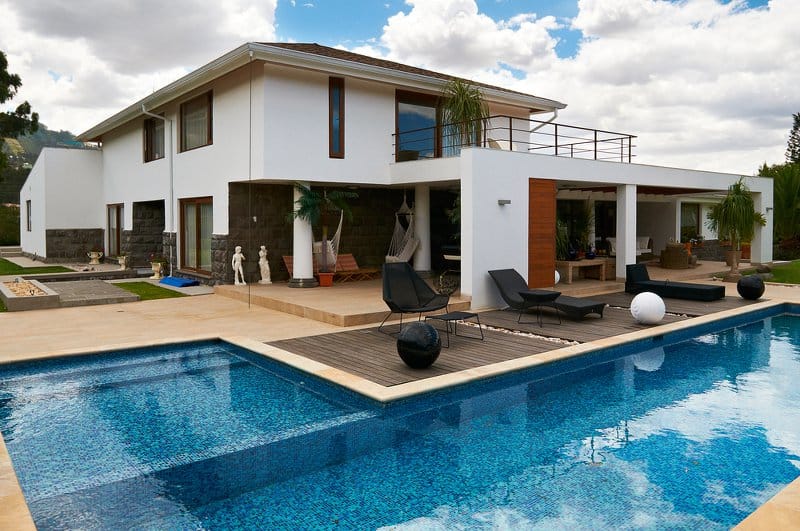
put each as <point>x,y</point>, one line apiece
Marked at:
<point>735,219</point>
<point>464,113</point>
<point>157,263</point>
<point>320,207</point>
<point>95,255</point>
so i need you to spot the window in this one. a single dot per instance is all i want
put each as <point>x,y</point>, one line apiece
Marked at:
<point>336,118</point>
<point>196,122</point>
<point>28,213</point>
<point>417,127</point>
<point>114,218</point>
<point>153,139</point>
<point>196,226</point>
<point>690,221</point>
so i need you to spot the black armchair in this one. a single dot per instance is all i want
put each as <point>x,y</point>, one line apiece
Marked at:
<point>405,292</point>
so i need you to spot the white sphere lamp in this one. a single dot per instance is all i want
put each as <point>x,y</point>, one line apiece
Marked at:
<point>648,308</point>
<point>558,278</point>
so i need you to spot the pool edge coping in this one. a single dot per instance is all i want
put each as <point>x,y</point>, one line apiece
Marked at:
<point>782,509</point>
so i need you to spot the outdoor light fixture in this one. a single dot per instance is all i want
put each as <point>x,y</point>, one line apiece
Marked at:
<point>504,202</point>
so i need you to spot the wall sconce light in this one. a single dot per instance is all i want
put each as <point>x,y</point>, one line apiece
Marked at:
<point>504,202</point>
<point>769,209</point>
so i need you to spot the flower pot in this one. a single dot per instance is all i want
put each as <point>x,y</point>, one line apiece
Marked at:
<point>745,251</point>
<point>326,280</point>
<point>94,257</point>
<point>156,267</point>
<point>123,262</point>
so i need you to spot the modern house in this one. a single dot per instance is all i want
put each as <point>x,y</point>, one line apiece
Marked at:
<point>210,162</point>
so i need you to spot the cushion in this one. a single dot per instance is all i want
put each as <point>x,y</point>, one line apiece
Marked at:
<point>179,282</point>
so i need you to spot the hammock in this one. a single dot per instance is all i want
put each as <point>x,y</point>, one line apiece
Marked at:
<point>332,248</point>
<point>404,242</point>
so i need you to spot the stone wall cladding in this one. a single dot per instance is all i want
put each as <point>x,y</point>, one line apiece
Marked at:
<point>221,272</point>
<point>71,245</point>
<point>169,248</point>
<point>711,250</point>
<point>147,234</point>
<point>367,236</point>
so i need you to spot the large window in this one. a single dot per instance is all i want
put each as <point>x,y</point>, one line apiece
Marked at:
<point>196,226</point>
<point>417,127</point>
<point>196,122</point>
<point>114,215</point>
<point>690,221</point>
<point>153,139</point>
<point>28,213</point>
<point>336,118</point>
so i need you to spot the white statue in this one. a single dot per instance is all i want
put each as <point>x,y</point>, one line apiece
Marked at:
<point>264,265</point>
<point>238,270</point>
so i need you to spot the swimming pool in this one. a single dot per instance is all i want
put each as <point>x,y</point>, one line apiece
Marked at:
<point>693,434</point>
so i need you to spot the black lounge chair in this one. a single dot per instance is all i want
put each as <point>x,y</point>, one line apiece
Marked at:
<point>519,296</point>
<point>638,280</point>
<point>576,308</point>
<point>405,292</point>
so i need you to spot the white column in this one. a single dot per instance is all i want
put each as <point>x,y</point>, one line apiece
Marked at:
<point>302,241</point>
<point>626,227</point>
<point>678,221</point>
<point>761,246</point>
<point>422,222</point>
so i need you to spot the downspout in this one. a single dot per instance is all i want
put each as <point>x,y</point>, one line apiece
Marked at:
<point>546,122</point>
<point>171,185</point>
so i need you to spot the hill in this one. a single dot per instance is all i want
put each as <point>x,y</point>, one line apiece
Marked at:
<point>22,153</point>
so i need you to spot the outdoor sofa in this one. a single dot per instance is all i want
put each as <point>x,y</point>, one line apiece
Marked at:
<point>638,280</point>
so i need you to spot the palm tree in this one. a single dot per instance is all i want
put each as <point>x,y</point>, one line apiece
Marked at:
<point>464,111</point>
<point>735,219</point>
<point>317,206</point>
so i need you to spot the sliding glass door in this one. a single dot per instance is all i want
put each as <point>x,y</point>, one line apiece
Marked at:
<point>114,230</point>
<point>196,227</point>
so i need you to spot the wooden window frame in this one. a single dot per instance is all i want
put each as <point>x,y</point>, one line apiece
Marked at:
<point>425,100</point>
<point>118,207</point>
<point>196,201</point>
<point>209,96</point>
<point>148,132</point>
<point>335,83</point>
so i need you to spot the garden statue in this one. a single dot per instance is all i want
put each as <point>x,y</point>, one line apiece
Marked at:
<point>263,264</point>
<point>238,270</point>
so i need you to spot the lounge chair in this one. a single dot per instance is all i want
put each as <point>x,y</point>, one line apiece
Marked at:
<point>517,295</point>
<point>405,292</point>
<point>638,280</point>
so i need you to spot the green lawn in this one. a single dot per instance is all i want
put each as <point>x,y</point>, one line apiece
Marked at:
<point>2,307</point>
<point>147,291</point>
<point>787,274</point>
<point>10,268</point>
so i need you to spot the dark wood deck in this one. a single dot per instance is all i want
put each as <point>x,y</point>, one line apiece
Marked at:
<point>373,355</point>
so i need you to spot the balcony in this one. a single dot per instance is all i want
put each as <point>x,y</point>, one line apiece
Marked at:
<point>516,134</point>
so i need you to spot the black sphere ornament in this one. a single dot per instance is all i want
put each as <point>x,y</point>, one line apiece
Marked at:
<point>750,287</point>
<point>419,345</point>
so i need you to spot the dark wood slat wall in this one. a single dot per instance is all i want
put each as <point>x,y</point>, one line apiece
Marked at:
<point>541,232</point>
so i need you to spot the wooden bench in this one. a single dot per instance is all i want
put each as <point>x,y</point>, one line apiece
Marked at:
<point>346,268</point>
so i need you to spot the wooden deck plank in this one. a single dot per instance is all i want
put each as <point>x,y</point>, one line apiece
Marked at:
<point>373,355</point>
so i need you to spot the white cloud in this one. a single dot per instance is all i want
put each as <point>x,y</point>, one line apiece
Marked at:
<point>109,53</point>
<point>703,84</point>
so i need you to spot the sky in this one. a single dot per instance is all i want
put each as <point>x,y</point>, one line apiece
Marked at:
<point>705,84</point>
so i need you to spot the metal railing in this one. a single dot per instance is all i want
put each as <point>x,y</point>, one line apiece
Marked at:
<point>516,134</point>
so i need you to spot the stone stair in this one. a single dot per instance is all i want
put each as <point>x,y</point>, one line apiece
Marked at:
<point>10,251</point>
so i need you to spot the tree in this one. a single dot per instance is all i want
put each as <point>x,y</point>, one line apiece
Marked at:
<point>786,199</point>
<point>19,121</point>
<point>793,149</point>
<point>735,219</point>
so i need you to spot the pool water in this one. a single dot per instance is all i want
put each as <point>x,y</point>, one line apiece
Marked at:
<point>695,434</point>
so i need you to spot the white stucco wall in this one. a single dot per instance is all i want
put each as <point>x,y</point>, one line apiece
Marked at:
<point>65,187</point>
<point>296,129</point>
<point>33,190</point>
<point>496,237</point>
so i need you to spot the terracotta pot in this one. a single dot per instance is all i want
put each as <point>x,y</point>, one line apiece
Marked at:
<point>746,251</point>
<point>326,280</point>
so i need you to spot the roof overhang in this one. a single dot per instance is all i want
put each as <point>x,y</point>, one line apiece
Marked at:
<point>285,57</point>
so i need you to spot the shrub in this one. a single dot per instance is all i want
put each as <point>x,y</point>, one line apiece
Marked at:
<point>9,225</point>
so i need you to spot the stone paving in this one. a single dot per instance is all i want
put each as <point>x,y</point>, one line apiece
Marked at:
<point>90,292</point>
